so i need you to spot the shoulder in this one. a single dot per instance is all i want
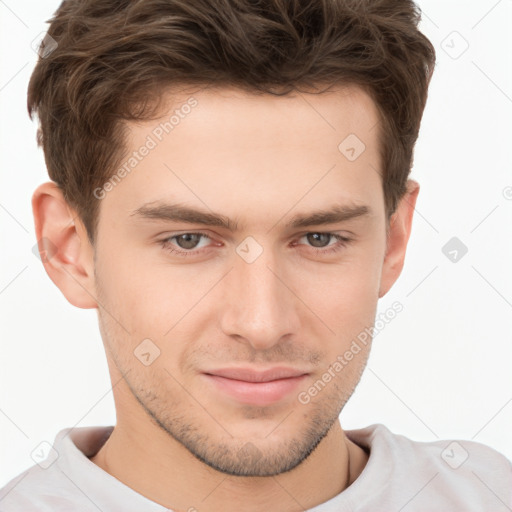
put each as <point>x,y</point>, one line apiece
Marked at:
<point>57,483</point>
<point>442,454</point>
<point>33,490</point>
<point>445,472</point>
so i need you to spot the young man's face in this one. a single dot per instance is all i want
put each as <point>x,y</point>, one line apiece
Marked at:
<point>255,293</point>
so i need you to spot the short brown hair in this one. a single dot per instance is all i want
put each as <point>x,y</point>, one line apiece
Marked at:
<point>114,57</point>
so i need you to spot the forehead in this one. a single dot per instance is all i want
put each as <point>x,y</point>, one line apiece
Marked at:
<point>262,118</point>
<point>226,149</point>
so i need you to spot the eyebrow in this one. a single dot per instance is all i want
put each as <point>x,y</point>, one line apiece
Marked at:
<point>180,213</point>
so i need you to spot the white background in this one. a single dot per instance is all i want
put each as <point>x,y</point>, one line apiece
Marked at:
<point>440,370</point>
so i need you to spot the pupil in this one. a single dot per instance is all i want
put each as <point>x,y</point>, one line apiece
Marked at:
<point>314,238</point>
<point>188,240</point>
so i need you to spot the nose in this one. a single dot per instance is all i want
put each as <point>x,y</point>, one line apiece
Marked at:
<point>260,305</point>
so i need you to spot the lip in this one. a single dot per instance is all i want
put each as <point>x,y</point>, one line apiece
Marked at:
<point>250,375</point>
<point>256,387</point>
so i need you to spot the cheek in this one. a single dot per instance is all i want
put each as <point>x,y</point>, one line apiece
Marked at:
<point>131,293</point>
<point>156,302</point>
<point>345,292</point>
<point>344,296</point>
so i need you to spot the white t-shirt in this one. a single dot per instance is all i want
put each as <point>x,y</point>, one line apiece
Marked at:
<point>400,475</point>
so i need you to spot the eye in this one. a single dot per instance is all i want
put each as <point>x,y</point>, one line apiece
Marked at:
<point>185,242</point>
<point>189,244</point>
<point>320,240</point>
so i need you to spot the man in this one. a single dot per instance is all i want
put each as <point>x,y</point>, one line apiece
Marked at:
<point>230,191</point>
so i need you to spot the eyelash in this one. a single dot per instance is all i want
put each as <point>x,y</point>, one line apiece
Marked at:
<point>343,241</point>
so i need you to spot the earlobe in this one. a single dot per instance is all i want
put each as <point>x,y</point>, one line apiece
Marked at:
<point>399,232</point>
<point>65,250</point>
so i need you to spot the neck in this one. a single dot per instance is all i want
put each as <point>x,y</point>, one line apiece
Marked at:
<point>166,473</point>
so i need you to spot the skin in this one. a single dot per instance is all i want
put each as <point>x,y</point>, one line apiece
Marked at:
<point>258,160</point>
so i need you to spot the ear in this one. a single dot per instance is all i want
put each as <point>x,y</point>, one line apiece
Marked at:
<point>398,235</point>
<point>64,247</point>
